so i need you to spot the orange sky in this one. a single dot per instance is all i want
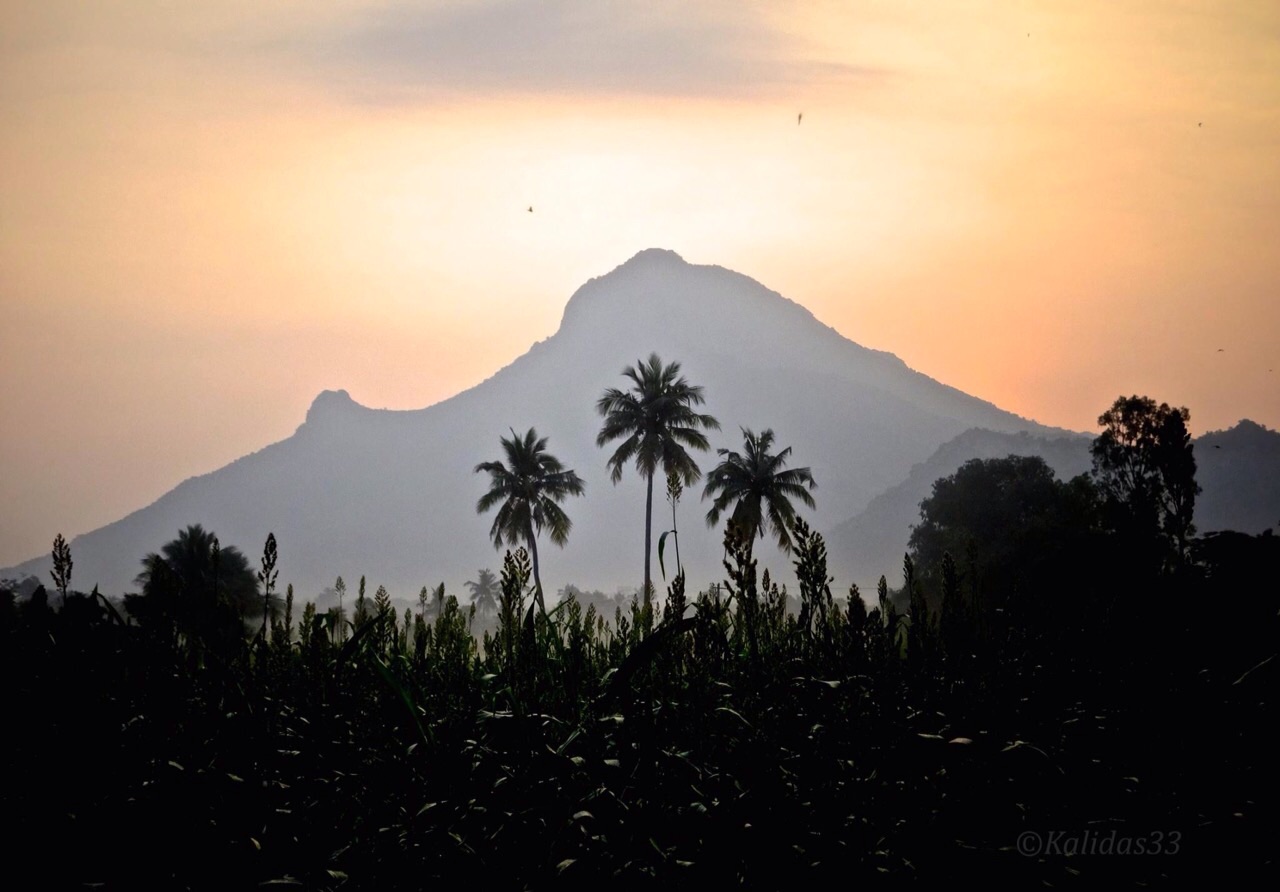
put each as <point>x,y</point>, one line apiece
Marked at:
<point>209,213</point>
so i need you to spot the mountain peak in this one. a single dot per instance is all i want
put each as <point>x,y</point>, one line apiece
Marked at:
<point>659,299</point>
<point>1251,427</point>
<point>330,404</point>
<point>1245,434</point>
<point>656,256</point>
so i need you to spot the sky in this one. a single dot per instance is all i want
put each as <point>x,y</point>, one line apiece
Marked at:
<point>211,212</point>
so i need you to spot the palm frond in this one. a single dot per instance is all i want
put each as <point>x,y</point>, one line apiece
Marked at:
<point>526,489</point>
<point>756,482</point>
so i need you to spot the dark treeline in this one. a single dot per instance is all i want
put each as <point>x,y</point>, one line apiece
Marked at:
<point>1069,673</point>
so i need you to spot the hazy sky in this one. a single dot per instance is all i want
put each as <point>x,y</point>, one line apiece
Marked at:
<point>210,212</point>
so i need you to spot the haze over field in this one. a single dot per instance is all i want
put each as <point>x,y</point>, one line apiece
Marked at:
<point>210,213</point>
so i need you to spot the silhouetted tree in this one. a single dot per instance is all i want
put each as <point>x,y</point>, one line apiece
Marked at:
<point>1013,515</point>
<point>655,421</point>
<point>528,488</point>
<point>484,592</point>
<point>759,487</point>
<point>1143,463</point>
<point>203,591</point>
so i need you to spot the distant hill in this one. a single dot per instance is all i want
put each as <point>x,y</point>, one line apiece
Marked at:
<point>392,494</point>
<point>1238,471</point>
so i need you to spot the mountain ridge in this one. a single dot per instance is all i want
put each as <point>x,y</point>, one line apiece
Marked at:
<point>391,493</point>
<point>1244,497</point>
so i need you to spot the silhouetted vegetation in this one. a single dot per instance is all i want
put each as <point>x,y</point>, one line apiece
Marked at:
<point>484,592</point>
<point>1012,526</point>
<point>759,485</point>
<point>196,593</point>
<point>527,491</point>
<point>1146,472</point>
<point>657,424</point>
<point>1035,675</point>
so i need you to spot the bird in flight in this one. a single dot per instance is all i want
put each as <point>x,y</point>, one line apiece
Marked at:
<point>531,209</point>
<point>799,118</point>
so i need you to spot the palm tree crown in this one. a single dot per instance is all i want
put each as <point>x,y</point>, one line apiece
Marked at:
<point>657,424</point>
<point>763,491</point>
<point>484,591</point>
<point>528,488</point>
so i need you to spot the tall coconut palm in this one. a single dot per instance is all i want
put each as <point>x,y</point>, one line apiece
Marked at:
<point>656,421</point>
<point>484,592</point>
<point>528,488</point>
<point>762,490</point>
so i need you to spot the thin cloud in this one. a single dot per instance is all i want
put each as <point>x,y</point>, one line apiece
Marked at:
<point>563,47</point>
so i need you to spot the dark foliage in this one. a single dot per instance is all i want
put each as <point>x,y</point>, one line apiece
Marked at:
<point>197,592</point>
<point>759,485</point>
<point>1144,465</point>
<point>1010,525</point>
<point>527,490</point>
<point>717,740</point>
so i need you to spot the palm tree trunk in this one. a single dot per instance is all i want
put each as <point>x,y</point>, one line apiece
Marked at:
<point>648,529</point>
<point>537,594</point>
<point>537,579</point>
<point>676,534</point>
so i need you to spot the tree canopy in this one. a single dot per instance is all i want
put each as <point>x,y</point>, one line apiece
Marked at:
<point>196,587</point>
<point>1145,467</point>
<point>1003,518</point>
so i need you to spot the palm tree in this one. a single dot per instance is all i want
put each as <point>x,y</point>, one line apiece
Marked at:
<point>202,590</point>
<point>484,592</point>
<point>528,488</point>
<point>763,491</point>
<point>655,421</point>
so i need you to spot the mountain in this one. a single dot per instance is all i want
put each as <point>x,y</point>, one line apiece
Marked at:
<point>1238,471</point>
<point>392,494</point>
